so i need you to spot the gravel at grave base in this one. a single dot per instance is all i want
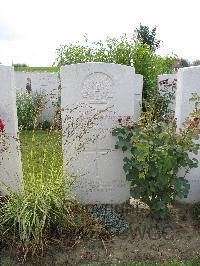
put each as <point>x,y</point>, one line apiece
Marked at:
<point>148,239</point>
<point>108,217</point>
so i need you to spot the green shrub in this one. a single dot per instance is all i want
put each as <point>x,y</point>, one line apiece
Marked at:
<point>196,100</point>
<point>196,211</point>
<point>123,51</point>
<point>157,152</point>
<point>146,35</point>
<point>29,107</point>
<point>24,68</point>
<point>159,106</point>
<point>44,125</point>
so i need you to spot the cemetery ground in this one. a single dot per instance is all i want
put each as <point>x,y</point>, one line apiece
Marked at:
<point>149,241</point>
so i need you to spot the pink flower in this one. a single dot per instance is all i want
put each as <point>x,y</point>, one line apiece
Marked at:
<point>181,131</point>
<point>2,125</point>
<point>130,127</point>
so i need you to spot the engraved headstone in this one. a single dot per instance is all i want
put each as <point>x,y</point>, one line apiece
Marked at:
<point>114,91</point>
<point>10,159</point>
<point>167,84</point>
<point>188,82</point>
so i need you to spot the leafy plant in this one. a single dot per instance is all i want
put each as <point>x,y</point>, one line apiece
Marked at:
<point>160,104</point>
<point>156,153</point>
<point>45,125</point>
<point>122,50</point>
<point>196,100</point>
<point>29,106</point>
<point>147,36</point>
<point>196,211</point>
<point>25,68</point>
<point>184,62</point>
<point>18,65</point>
<point>196,62</point>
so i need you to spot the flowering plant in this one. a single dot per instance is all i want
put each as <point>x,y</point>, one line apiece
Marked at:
<point>3,137</point>
<point>156,153</point>
<point>2,125</point>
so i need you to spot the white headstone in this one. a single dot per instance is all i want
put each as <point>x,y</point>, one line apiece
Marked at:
<point>10,159</point>
<point>41,82</point>
<point>101,178</point>
<point>167,83</point>
<point>188,82</point>
<point>138,86</point>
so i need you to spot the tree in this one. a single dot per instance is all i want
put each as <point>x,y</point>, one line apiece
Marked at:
<point>196,62</point>
<point>184,62</point>
<point>19,65</point>
<point>147,36</point>
<point>124,51</point>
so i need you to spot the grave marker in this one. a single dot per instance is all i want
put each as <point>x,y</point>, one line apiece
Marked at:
<point>188,82</point>
<point>167,83</point>
<point>44,83</point>
<point>99,86</point>
<point>10,159</point>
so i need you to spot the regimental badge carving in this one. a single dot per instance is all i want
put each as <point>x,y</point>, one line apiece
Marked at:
<point>97,88</point>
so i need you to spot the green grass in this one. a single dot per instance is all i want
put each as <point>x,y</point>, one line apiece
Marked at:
<point>44,147</point>
<point>44,209</point>
<point>36,69</point>
<point>45,202</point>
<point>42,206</point>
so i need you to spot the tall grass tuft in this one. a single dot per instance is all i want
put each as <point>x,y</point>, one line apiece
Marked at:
<point>44,209</point>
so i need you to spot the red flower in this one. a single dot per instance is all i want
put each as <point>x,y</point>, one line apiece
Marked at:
<point>2,125</point>
<point>130,127</point>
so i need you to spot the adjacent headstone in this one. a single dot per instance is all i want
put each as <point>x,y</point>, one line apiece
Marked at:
<point>45,83</point>
<point>188,82</point>
<point>94,87</point>
<point>167,84</point>
<point>10,159</point>
<point>138,86</point>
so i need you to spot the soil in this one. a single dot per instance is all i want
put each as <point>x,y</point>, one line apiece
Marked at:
<point>148,239</point>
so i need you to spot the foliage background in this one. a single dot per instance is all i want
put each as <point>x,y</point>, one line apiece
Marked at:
<point>122,50</point>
